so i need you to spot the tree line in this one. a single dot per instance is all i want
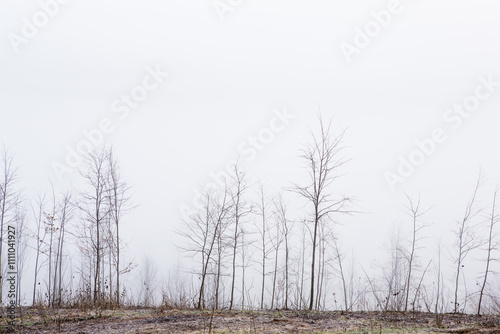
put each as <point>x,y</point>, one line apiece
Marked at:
<point>248,249</point>
<point>244,247</point>
<point>73,237</point>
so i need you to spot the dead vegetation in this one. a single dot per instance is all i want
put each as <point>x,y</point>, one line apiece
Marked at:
<point>157,320</point>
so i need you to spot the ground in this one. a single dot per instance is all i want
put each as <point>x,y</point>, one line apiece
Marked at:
<point>128,321</point>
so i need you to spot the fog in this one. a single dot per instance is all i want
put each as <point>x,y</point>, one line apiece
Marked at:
<point>181,89</point>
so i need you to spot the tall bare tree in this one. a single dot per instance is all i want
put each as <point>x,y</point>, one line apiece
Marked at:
<point>223,208</point>
<point>96,211</point>
<point>204,233</point>
<point>63,215</point>
<point>466,239</point>
<point>239,210</point>
<point>323,161</point>
<point>119,204</point>
<point>493,244</point>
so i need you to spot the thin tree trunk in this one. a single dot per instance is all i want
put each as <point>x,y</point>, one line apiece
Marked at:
<point>98,259</point>
<point>493,220</point>
<point>286,271</point>
<point>39,241</point>
<point>204,273</point>
<point>36,276</point>
<point>235,245</point>
<point>465,240</point>
<point>60,266</point>
<point>55,270</point>
<point>316,223</point>
<point>341,270</point>
<point>302,272</point>
<point>117,265</point>
<point>243,269</point>
<point>275,273</point>
<point>410,262</point>
<point>110,281</point>
<point>263,212</point>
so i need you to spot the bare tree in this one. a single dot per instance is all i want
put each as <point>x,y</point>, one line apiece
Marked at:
<point>466,239</point>
<point>222,211</point>
<point>203,232</point>
<point>276,239</point>
<point>494,218</point>
<point>245,259</point>
<point>50,229</point>
<point>199,233</point>
<point>262,207</point>
<point>240,210</point>
<point>22,244</point>
<point>64,215</point>
<point>414,211</point>
<point>285,231</point>
<point>95,208</point>
<point>305,232</point>
<point>39,235</point>
<point>8,199</point>
<point>119,205</point>
<point>323,162</point>
<point>439,306</point>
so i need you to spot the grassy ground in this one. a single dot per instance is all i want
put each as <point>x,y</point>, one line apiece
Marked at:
<point>125,321</point>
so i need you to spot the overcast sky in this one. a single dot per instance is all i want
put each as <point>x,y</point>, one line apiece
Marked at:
<point>179,86</point>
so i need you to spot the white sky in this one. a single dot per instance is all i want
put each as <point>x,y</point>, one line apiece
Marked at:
<point>226,77</point>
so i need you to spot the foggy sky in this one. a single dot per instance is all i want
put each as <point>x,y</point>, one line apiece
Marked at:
<point>226,81</point>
